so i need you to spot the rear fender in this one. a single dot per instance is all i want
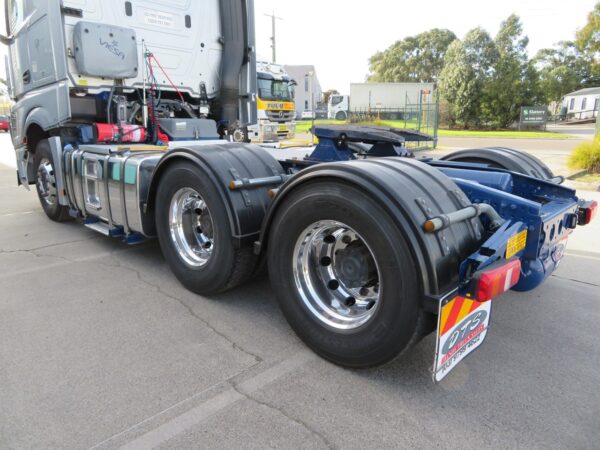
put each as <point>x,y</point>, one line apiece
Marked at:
<point>410,192</point>
<point>222,163</point>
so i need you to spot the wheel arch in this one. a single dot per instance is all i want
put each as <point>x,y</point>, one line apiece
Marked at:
<point>431,259</point>
<point>504,158</point>
<point>34,133</point>
<point>245,207</point>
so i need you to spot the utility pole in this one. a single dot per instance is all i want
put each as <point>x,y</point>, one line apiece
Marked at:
<point>273,42</point>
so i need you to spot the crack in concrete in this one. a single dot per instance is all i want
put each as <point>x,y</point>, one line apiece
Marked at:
<point>281,411</point>
<point>587,283</point>
<point>189,309</point>
<point>43,247</point>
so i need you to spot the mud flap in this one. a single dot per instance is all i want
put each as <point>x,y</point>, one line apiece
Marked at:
<point>462,327</point>
<point>22,159</point>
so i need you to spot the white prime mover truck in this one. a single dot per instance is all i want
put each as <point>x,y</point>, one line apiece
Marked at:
<point>385,100</point>
<point>122,119</point>
<point>275,106</point>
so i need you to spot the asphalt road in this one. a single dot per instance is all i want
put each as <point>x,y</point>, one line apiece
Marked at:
<point>100,347</point>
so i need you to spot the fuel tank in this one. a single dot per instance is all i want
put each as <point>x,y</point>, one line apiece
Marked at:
<point>109,183</point>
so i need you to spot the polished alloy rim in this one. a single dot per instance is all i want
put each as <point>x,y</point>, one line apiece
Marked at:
<point>191,227</point>
<point>46,182</point>
<point>336,275</point>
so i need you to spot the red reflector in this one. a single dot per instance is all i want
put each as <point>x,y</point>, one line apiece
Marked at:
<point>492,282</point>
<point>590,212</point>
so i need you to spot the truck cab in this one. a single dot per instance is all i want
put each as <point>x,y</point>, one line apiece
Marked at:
<point>275,104</point>
<point>338,107</point>
<point>146,71</point>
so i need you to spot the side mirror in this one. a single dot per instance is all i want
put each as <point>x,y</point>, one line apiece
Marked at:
<point>293,83</point>
<point>6,40</point>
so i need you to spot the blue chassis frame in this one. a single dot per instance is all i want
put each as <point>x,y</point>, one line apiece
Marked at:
<point>548,211</point>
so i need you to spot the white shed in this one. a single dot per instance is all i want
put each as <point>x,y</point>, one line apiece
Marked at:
<point>582,104</point>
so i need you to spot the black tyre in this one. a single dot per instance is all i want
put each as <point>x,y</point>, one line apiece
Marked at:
<point>45,183</point>
<point>343,275</point>
<point>195,234</point>
<point>507,159</point>
<point>341,115</point>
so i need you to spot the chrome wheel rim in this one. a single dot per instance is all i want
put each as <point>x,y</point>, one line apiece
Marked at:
<point>191,226</point>
<point>336,275</point>
<point>239,135</point>
<point>46,182</point>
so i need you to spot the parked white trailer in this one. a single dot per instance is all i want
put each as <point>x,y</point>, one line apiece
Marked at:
<point>388,100</point>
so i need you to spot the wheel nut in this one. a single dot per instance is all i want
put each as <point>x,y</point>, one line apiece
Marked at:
<point>329,239</point>
<point>325,261</point>
<point>198,211</point>
<point>364,291</point>
<point>350,301</point>
<point>198,230</point>
<point>208,244</point>
<point>370,304</point>
<point>333,285</point>
<point>346,239</point>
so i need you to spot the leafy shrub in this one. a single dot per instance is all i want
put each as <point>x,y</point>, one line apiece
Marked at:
<point>586,156</point>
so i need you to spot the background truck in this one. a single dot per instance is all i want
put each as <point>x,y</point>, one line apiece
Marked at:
<point>275,106</point>
<point>120,122</point>
<point>393,101</point>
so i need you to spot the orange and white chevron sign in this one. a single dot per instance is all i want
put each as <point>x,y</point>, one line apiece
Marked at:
<point>462,326</point>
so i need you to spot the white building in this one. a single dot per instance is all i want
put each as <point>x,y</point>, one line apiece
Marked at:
<point>582,104</point>
<point>307,83</point>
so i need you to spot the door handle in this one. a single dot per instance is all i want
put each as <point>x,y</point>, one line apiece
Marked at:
<point>27,77</point>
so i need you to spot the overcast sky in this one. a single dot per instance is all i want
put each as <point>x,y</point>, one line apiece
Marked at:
<point>339,36</point>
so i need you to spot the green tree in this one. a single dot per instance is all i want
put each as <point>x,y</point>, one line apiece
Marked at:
<point>417,58</point>
<point>328,93</point>
<point>508,89</point>
<point>458,85</point>
<point>588,40</point>
<point>562,69</point>
<point>464,80</point>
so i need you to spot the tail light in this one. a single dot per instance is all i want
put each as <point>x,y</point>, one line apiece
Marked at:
<point>495,280</point>
<point>587,212</point>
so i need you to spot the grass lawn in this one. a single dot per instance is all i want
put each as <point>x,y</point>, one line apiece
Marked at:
<point>303,126</point>
<point>504,134</point>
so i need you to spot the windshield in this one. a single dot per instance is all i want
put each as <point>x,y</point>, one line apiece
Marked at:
<point>336,99</point>
<point>274,90</point>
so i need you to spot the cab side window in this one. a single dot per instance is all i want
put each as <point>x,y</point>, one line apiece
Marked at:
<point>16,15</point>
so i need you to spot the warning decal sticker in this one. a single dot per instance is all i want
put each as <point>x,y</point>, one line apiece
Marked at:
<point>462,326</point>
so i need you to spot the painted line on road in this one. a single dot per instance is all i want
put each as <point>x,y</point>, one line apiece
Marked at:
<point>194,416</point>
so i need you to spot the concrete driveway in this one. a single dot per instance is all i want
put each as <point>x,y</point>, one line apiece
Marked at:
<point>100,347</point>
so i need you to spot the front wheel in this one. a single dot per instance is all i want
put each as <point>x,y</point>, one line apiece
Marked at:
<point>45,183</point>
<point>344,278</point>
<point>341,115</point>
<point>195,234</point>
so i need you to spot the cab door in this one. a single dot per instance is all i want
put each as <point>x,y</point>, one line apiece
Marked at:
<point>38,54</point>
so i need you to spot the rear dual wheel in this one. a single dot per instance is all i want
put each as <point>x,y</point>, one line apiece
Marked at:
<point>343,275</point>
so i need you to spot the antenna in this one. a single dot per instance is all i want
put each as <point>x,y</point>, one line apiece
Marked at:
<point>273,42</point>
